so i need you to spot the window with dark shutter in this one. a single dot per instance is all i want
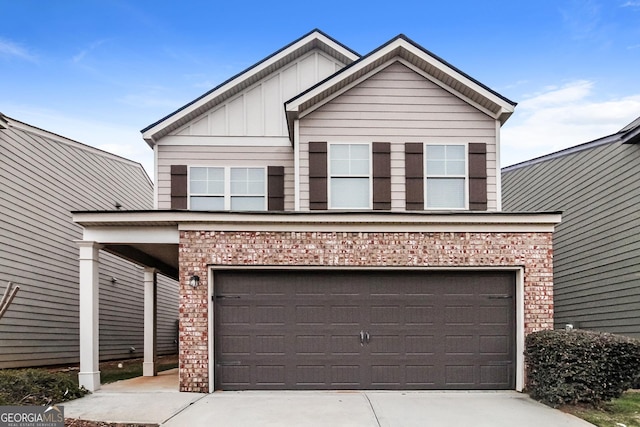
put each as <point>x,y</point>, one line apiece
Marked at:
<point>275,188</point>
<point>318,175</point>
<point>477,176</point>
<point>178,187</point>
<point>414,175</point>
<point>381,175</point>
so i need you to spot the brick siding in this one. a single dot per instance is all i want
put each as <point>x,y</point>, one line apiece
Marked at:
<point>200,249</point>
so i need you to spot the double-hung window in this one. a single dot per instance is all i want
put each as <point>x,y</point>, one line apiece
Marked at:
<point>227,188</point>
<point>349,176</point>
<point>445,176</point>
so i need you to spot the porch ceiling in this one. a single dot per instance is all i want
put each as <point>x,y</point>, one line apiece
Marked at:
<point>162,256</point>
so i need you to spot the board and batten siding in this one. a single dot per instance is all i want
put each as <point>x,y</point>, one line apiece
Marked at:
<point>43,177</point>
<point>258,110</point>
<point>597,244</point>
<point>398,105</point>
<point>223,155</point>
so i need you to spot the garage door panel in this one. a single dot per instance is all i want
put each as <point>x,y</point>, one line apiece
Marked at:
<point>296,329</point>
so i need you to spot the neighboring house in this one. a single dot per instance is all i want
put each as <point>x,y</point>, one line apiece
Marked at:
<point>597,247</point>
<point>335,222</point>
<point>43,177</point>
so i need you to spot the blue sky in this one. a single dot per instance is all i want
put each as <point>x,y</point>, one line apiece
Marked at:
<point>98,71</point>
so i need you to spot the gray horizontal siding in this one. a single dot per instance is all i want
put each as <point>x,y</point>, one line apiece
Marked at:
<point>597,245</point>
<point>42,179</point>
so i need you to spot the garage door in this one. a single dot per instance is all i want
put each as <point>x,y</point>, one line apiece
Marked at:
<point>364,330</point>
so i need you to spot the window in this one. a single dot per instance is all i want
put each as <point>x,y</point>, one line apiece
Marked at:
<point>224,188</point>
<point>349,176</point>
<point>445,176</point>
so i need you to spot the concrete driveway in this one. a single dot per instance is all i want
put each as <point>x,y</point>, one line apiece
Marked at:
<point>371,409</point>
<point>157,400</point>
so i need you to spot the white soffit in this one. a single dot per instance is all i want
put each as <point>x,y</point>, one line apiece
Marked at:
<point>440,72</point>
<point>315,39</point>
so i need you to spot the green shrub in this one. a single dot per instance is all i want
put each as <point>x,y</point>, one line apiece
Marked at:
<point>580,366</point>
<point>37,387</point>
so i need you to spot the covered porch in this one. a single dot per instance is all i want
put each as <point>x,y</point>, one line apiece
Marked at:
<point>151,246</point>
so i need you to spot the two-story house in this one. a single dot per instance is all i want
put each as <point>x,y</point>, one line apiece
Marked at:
<point>335,222</point>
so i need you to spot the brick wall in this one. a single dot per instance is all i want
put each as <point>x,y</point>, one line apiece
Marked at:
<point>199,249</point>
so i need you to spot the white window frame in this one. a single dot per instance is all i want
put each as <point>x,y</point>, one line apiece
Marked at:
<point>465,176</point>
<point>369,176</point>
<point>227,186</point>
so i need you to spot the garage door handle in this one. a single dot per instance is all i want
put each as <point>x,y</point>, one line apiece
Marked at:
<point>361,338</point>
<point>367,337</point>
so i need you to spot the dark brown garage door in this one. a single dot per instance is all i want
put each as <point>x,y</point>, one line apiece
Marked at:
<point>364,330</point>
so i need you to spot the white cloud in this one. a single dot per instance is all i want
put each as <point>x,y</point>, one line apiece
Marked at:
<point>631,4</point>
<point>11,49</point>
<point>563,117</point>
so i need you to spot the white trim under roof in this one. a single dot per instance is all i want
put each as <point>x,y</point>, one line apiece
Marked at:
<point>239,82</point>
<point>101,222</point>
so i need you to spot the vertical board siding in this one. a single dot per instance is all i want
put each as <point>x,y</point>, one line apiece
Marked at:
<point>397,105</point>
<point>596,246</point>
<point>258,110</point>
<point>43,178</point>
<point>228,155</point>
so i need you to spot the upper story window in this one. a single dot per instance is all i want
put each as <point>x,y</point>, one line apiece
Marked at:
<point>227,188</point>
<point>445,176</point>
<point>349,176</point>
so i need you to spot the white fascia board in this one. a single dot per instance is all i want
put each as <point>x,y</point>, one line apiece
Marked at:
<point>132,234</point>
<point>168,222</point>
<point>149,134</point>
<point>237,141</point>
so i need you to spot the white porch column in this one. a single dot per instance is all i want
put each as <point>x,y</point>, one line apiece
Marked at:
<point>149,366</point>
<point>89,375</point>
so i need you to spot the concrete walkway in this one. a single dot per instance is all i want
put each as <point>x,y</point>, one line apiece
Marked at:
<point>156,400</point>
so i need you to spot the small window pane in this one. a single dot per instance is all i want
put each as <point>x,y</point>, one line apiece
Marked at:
<point>455,167</point>
<point>360,167</point>
<point>445,193</point>
<point>207,203</point>
<point>359,151</point>
<point>435,167</point>
<point>198,187</point>
<point>435,152</point>
<point>350,193</point>
<point>199,174</point>
<point>339,151</point>
<point>455,152</point>
<point>214,187</point>
<point>239,203</point>
<point>340,167</point>
<point>238,187</point>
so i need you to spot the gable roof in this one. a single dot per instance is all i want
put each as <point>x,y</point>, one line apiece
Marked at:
<point>315,39</point>
<point>630,134</point>
<point>416,57</point>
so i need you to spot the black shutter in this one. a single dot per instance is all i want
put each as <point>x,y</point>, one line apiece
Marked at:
<point>477,176</point>
<point>178,187</point>
<point>414,175</point>
<point>318,175</point>
<point>381,175</point>
<point>275,185</point>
